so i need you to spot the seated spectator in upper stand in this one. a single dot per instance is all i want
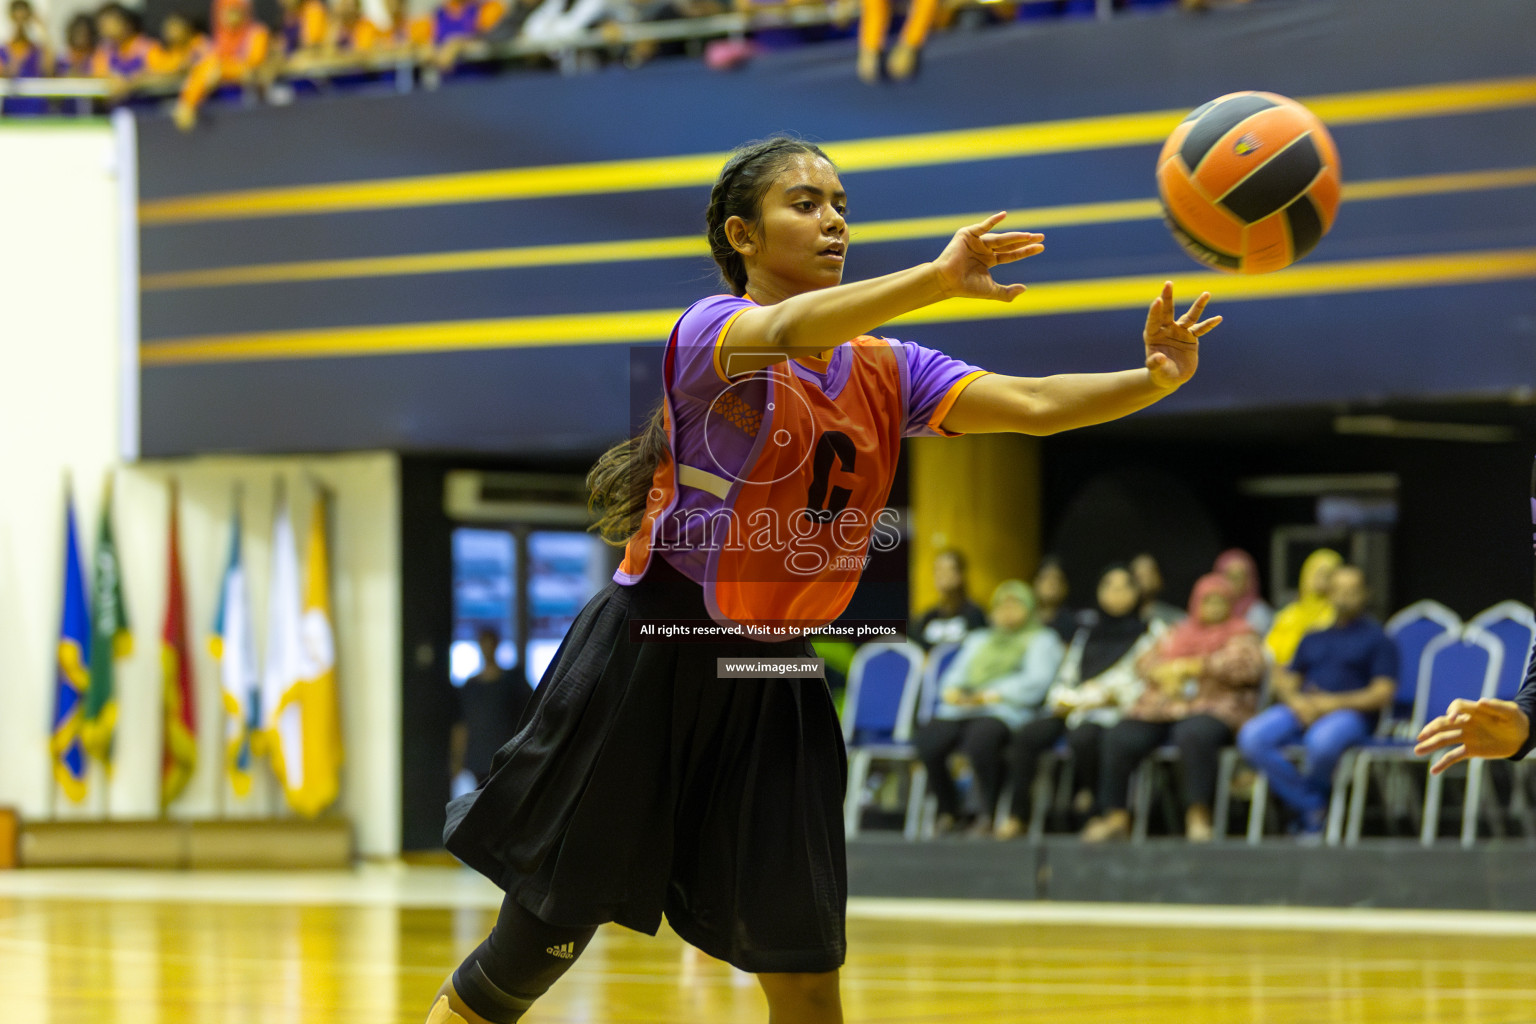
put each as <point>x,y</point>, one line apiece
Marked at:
<point>996,682</point>
<point>1329,698</point>
<point>306,24</point>
<point>26,55</point>
<point>239,51</point>
<point>457,22</point>
<point>956,614</point>
<point>490,704</point>
<point>1238,567</point>
<point>79,57</point>
<point>642,50</point>
<point>181,47</point>
<point>1096,685</point>
<point>126,54</point>
<point>349,32</point>
<point>1051,592</point>
<point>402,34</point>
<point>1310,612</point>
<point>1149,580</point>
<point>875,20</point>
<point>1201,683</point>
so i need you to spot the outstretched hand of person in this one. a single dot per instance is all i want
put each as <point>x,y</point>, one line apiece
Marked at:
<point>1173,346</point>
<point>965,265</point>
<point>1474,728</point>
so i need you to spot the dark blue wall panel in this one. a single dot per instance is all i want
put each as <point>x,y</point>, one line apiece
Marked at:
<point>1429,340</point>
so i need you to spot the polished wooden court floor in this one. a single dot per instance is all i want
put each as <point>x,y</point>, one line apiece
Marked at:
<point>104,948</point>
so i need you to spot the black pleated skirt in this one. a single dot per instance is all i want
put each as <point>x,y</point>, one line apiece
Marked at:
<point>640,784</point>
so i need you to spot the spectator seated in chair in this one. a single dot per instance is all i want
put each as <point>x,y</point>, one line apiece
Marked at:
<point>996,682</point>
<point>1310,612</point>
<point>1201,683</point>
<point>1329,698</point>
<point>1096,685</point>
<point>956,614</point>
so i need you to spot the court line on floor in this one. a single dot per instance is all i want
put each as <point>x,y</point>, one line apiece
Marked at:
<point>391,885</point>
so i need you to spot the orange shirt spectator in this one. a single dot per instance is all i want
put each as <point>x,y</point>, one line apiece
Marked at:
<point>305,23</point>
<point>350,32</point>
<point>240,46</point>
<point>403,31</point>
<point>125,52</point>
<point>181,47</point>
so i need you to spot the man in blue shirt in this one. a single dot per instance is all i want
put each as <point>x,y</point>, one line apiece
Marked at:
<point>1327,700</point>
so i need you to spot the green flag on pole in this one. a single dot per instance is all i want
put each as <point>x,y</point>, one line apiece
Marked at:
<point>110,640</point>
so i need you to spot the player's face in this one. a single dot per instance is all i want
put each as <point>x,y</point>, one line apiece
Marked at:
<point>802,234</point>
<point>1117,594</point>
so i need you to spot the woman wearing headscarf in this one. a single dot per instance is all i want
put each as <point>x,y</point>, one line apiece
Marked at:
<point>1096,685</point>
<point>1310,612</point>
<point>1201,684</point>
<point>996,682</point>
<point>1240,570</point>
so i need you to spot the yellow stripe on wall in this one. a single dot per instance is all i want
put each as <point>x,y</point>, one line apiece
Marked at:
<point>906,229</point>
<point>916,150</point>
<point>640,326</point>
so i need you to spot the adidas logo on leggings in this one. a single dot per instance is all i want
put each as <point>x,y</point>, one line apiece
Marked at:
<point>565,951</point>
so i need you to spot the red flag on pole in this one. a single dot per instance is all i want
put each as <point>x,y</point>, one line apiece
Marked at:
<point>180,744</point>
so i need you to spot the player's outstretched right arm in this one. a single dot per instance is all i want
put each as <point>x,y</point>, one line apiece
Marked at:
<point>818,320</point>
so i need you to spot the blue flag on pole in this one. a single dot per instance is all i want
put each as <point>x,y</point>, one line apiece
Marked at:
<point>74,667</point>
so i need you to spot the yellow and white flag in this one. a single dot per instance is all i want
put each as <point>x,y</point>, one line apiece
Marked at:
<point>299,685</point>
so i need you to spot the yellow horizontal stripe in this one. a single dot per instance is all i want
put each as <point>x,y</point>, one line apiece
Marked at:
<point>654,324</point>
<point>432,263</point>
<point>906,229</point>
<point>916,150</point>
<point>1302,279</point>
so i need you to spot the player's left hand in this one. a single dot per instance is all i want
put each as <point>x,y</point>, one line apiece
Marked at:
<point>1173,346</point>
<point>1480,728</point>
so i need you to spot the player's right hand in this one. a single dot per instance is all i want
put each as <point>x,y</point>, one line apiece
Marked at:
<point>965,266</point>
<point>1481,728</point>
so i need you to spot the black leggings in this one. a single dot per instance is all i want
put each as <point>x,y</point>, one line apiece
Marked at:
<point>1039,737</point>
<point>1199,739</point>
<point>981,740</point>
<point>517,963</point>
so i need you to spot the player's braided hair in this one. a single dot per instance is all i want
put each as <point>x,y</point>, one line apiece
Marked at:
<point>739,193</point>
<point>620,479</point>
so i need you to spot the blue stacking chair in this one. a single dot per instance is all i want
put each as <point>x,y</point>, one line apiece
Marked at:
<point>1466,668</point>
<point>939,658</point>
<point>883,684</point>
<point>1412,630</point>
<point>1514,627</point>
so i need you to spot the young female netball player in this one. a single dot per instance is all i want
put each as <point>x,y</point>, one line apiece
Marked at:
<point>642,784</point>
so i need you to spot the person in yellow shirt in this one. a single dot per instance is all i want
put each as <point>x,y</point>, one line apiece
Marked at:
<point>1310,611</point>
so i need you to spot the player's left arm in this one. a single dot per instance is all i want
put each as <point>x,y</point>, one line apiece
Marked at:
<point>997,403</point>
